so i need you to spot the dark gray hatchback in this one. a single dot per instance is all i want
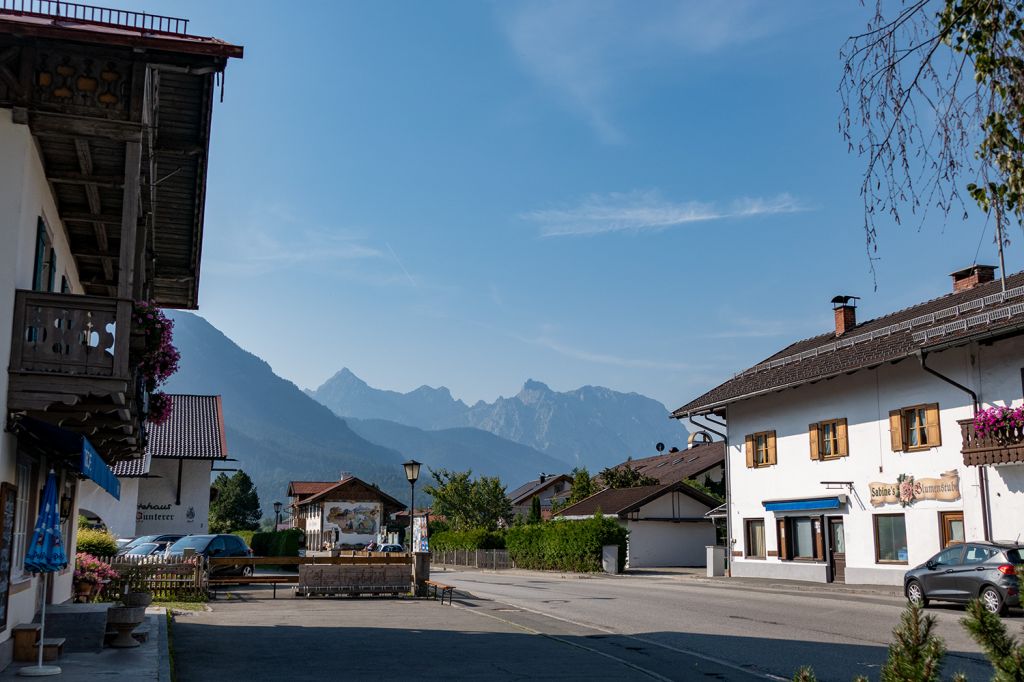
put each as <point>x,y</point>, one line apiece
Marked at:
<point>974,570</point>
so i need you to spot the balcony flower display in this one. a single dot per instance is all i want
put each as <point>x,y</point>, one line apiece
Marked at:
<point>1004,423</point>
<point>154,354</point>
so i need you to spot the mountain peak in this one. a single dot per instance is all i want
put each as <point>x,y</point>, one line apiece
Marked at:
<point>347,377</point>
<point>534,385</point>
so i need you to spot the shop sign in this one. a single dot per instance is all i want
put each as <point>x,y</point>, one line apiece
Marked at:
<point>907,490</point>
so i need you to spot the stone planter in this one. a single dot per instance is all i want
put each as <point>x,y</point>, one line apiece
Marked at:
<point>84,590</point>
<point>137,598</point>
<point>125,619</point>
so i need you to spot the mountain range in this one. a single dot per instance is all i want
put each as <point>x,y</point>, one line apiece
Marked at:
<point>590,426</point>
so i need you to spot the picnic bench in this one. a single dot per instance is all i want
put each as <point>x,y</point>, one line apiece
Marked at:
<point>275,580</point>
<point>434,588</point>
<point>353,580</point>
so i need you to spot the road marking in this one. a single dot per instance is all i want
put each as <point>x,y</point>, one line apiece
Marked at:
<point>687,652</point>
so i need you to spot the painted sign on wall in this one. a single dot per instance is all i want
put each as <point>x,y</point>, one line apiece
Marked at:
<point>352,519</point>
<point>907,490</point>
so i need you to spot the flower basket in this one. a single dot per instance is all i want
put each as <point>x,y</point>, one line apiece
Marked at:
<point>1004,425</point>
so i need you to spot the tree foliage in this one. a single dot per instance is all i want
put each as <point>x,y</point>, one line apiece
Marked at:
<point>535,515</point>
<point>469,503</point>
<point>237,506</point>
<point>1004,652</point>
<point>933,98</point>
<point>625,476</point>
<point>915,652</point>
<point>583,485</point>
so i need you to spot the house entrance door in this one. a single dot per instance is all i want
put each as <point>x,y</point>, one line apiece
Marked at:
<point>837,550</point>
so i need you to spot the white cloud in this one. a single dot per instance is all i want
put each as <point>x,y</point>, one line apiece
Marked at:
<point>584,50</point>
<point>602,358</point>
<point>645,211</point>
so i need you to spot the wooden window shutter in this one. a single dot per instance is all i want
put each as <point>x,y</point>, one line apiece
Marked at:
<point>748,445</point>
<point>896,430</point>
<point>812,432</point>
<point>771,448</point>
<point>819,540</point>
<point>780,534</point>
<point>844,446</point>
<point>932,417</point>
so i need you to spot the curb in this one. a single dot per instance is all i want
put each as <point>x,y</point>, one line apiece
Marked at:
<point>163,665</point>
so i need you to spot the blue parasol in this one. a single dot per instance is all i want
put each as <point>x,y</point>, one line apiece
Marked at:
<point>46,551</point>
<point>45,555</point>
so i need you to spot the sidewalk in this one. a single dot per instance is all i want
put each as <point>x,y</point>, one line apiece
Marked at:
<point>150,661</point>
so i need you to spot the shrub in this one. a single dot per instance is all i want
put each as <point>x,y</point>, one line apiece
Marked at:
<point>566,545</point>
<point>90,569</point>
<point>246,535</point>
<point>282,543</point>
<point>96,542</point>
<point>260,543</point>
<point>474,538</point>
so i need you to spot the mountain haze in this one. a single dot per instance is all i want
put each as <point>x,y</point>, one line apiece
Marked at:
<point>593,426</point>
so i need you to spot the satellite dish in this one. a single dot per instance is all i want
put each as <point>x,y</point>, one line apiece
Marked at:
<point>659,447</point>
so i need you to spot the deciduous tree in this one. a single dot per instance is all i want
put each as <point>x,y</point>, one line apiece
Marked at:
<point>236,506</point>
<point>468,503</point>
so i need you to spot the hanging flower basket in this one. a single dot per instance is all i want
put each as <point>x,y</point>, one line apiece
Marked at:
<point>1005,425</point>
<point>154,355</point>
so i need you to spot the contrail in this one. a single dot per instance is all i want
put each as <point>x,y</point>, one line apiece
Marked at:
<point>399,261</point>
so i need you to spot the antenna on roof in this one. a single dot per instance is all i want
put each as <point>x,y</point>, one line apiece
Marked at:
<point>659,447</point>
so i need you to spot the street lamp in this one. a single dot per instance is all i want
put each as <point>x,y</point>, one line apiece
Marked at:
<point>412,472</point>
<point>277,515</point>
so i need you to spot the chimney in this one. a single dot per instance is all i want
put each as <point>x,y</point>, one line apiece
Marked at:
<point>345,474</point>
<point>845,309</point>
<point>968,278</point>
<point>543,477</point>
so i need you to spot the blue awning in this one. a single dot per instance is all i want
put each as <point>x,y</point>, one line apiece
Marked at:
<point>805,503</point>
<point>75,447</point>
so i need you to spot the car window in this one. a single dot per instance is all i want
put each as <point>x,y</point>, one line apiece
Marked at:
<point>1014,557</point>
<point>216,545</point>
<point>978,555</point>
<point>143,549</point>
<point>235,543</point>
<point>196,542</point>
<point>949,557</point>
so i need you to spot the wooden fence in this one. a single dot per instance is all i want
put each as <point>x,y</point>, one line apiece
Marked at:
<point>168,578</point>
<point>475,558</point>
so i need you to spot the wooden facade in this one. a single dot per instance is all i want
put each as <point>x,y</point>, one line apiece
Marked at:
<point>978,450</point>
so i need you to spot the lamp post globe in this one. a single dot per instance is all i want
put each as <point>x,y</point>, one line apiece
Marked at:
<point>412,472</point>
<point>277,515</point>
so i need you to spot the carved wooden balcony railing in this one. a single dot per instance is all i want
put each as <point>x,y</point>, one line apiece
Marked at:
<point>1004,448</point>
<point>70,366</point>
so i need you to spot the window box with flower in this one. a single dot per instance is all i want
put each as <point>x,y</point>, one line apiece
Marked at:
<point>994,436</point>
<point>154,356</point>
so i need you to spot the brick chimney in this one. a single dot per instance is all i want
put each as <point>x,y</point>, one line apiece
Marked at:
<point>968,278</point>
<point>845,309</point>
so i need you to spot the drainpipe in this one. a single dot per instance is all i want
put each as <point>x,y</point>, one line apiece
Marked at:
<point>986,505</point>
<point>728,488</point>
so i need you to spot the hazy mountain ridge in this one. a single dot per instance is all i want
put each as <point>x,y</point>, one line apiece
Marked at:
<point>591,425</point>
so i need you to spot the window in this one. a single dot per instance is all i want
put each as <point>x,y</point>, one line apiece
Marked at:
<point>891,539</point>
<point>21,516</point>
<point>828,439</point>
<point>760,449</point>
<point>915,428</point>
<point>755,538</point>
<point>46,260</point>
<point>800,538</point>
<point>978,555</point>
<point>949,557</point>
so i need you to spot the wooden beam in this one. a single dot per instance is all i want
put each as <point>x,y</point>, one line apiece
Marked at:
<point>129,220</point>
<point>65,125</point>
<point>105,181</point>
<point>82,217</point>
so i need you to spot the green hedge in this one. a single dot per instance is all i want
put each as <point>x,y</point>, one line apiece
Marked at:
<point>475,538</point>
<point>281,543</point>
<point>96,542</point>
<point>245,535</point>
<point>566,545</point>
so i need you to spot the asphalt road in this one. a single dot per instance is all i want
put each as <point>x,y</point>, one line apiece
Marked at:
<point>677,623</point>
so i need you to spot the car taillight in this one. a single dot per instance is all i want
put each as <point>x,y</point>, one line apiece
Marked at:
<point>1007,569</point>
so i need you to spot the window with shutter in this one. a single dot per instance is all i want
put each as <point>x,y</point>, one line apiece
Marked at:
<point>828,439</point>
<point>932,421</point>
<point>748,446</point>
<point>896,430</point>
<point>919,427</point>
<point>760,449</point>
<point>812,432</point>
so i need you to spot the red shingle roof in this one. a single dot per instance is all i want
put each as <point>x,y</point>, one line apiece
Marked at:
<point>299,488</point>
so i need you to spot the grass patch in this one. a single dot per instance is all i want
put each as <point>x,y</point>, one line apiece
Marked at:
<point>182,605</point>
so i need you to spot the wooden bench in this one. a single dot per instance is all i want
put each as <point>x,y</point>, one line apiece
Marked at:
<point>53,649</point>
<point>25,638</point>
<point>253,580</point>
<point>434,587</point>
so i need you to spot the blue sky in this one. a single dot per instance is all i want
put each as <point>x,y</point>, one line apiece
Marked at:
<point>647,196</point>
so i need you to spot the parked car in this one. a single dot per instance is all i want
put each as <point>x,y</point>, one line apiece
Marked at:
<point>973,570</point>
<point>166,539</point>
<point>146,549</point>
<point>216,546</point>
<point>390,548</point>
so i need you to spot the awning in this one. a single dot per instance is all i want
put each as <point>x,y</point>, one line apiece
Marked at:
<point>74,446</point>
<point>805,503</point>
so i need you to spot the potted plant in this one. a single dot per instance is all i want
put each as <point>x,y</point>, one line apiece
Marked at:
<point>1004,424</point>
<point>90,575</point>
<point>153,354</point>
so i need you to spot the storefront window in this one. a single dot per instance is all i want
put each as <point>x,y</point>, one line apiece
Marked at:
<point>890,538</point>
<point>803,538</point>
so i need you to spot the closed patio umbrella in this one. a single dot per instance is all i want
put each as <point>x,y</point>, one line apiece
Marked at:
<point>45,555</point>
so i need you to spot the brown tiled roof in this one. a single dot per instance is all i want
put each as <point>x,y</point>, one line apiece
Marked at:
<point>350,480</point>
<point>675,466</point>
<point>195,430</point>
<point>954,319</point>
<point>617,501</point>
<point>300,488</point>
<point>533,487</point>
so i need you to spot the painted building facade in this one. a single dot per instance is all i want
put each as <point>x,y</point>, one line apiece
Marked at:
<point>345,514</point>
<point>853,466</point>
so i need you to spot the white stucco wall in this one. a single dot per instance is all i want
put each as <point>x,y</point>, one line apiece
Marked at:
<point>664,543</point>
<point>117,515</point>
<point>156,510</point>
<point>865,399</point>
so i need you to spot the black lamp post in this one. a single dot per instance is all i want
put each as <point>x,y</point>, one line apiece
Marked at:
<point>277,515</point>
<point>412,472</point>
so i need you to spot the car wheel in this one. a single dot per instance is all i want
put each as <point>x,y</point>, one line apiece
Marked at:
<point>915,594</point>
<point>246,571</point>
<point>992,600</point>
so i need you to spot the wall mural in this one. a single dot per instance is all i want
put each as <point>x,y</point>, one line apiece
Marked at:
<point>907,490</point>
<point>352,518</point>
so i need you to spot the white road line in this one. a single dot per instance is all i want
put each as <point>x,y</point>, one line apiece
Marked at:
<point>679,650</point>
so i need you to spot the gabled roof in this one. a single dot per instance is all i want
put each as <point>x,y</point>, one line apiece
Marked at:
<point>670,467</point>
<point>531,488</point>
<point>304,488</point>
<point>955,319</point>
<point>347,482</point>
<point>618,501</point>
<point>195,430</point>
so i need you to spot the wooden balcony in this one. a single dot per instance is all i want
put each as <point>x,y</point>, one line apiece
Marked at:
<point>70,366</point>
<point>1002,449</point>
